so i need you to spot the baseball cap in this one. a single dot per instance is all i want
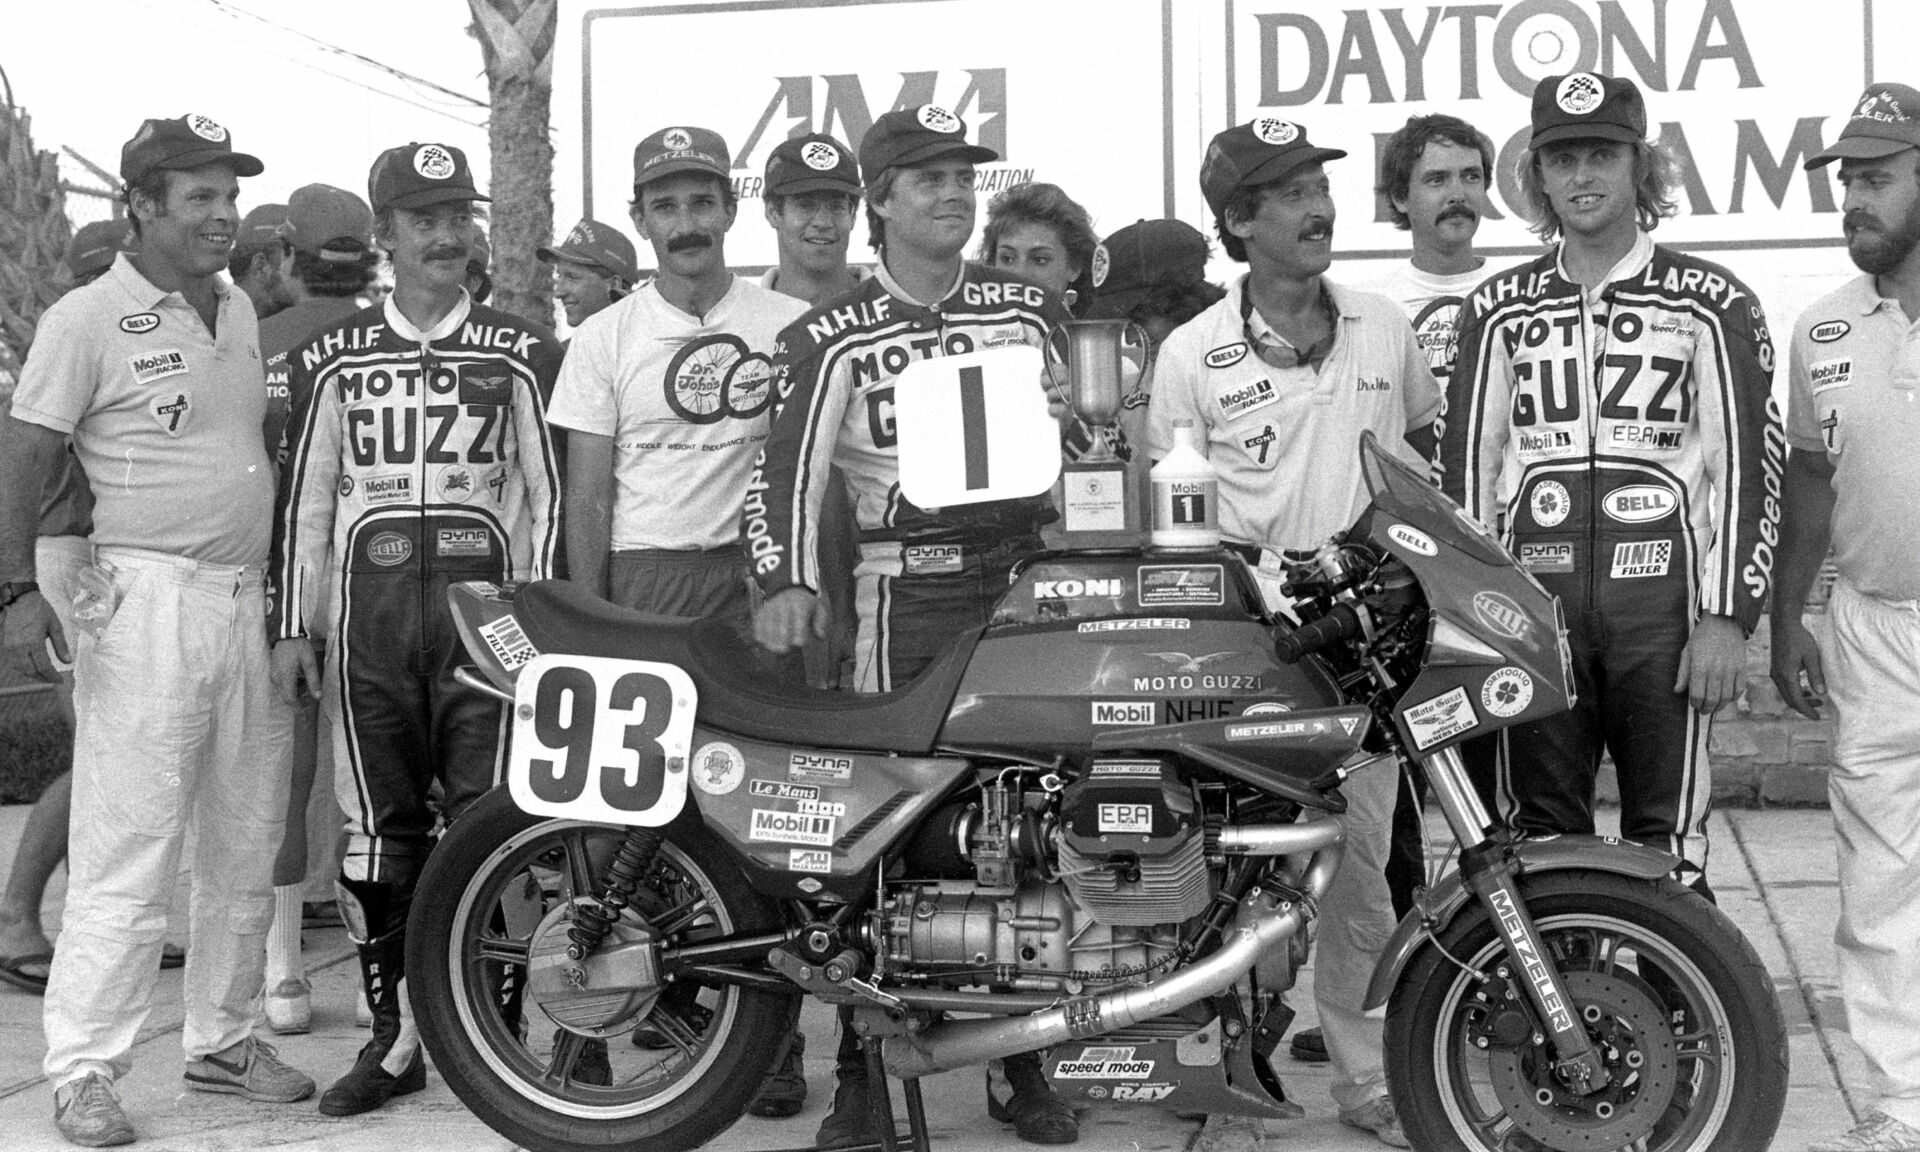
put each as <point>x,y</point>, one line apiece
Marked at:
<point>673,150</point>
<point>329,222</point>
<point>812,163</point>
<point>909,136</point>
<point>184,142</point>
<point>1130,263</point>
<point>597,246</point>
<point>261,227</point>
<point>1882,123</point>
<point>93,247</point>
<point>1261,151</point>
<point>1587,106</point>
<point>419,175</point>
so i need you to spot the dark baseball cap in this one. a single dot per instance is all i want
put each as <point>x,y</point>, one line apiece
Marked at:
<point>674,150</point>
<point>1587,106</point>
<point>264,225</point>
<point>1262,151</point>
<point>329,222</point>
<point>94,246</point>
<point>1133,261</point>
<point>812,163</point>
<point>596,245</point>
<point>1882,124</point>
<point>909,136</point>
<point>179,144</point>
<point>420,175</point>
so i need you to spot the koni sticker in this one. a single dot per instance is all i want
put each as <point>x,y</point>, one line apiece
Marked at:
<point>718,768</point>
<point>775,827</point>
<point>1447,714</point>
<point>1182,585</point>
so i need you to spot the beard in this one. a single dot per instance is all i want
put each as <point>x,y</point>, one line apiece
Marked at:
<point>1877,249</point>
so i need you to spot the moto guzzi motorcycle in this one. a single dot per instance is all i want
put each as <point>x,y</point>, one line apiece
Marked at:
<point>1098,826</point>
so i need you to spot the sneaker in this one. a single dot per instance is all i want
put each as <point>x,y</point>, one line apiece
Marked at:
<point>1879,1132</point>
<point>252,1070</point>
<point>1378,1117</point>
<point>290,1008</point>
<point>88,1113</point>
<point>850,1121</point>
<point>785,1089</point>
<point>1309,1046</point>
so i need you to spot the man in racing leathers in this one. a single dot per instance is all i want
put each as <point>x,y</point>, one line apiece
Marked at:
<point>1611,401</point>
<point>924,576</point>
<point>418,454</point>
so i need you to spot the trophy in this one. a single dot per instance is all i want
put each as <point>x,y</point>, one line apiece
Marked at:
<point>1101,500</point>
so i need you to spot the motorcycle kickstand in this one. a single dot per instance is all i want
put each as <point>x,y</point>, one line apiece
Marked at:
<point>882,1102</point>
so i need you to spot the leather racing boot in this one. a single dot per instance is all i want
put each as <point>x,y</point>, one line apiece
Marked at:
<point>1022,1096</point>
<point>850,1120</point>
<point>785,1089</point>
<point>391,1063</point>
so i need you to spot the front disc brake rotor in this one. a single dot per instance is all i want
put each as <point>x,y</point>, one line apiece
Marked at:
<point>610,992</point>
<point>1634,1041</point>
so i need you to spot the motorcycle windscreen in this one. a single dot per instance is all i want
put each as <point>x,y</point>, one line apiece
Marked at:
<point>1497,650</point>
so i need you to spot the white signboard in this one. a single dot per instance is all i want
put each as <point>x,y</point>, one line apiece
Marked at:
<point>975,427</point>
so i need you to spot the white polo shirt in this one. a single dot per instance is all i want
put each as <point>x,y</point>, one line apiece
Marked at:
<point>1853,392</point>
<point>1286,441</point>
<point>165,416</point>
<point>686,400</point>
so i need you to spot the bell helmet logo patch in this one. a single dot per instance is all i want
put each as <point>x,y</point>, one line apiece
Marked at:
<point>934,118</point>
<point>677,139</point>
<point>389,548</point>
<point>1550,503</point>
<point>820,156</point>
<point>207,128</point>
<point>1823,333</point>
<point>1277,132</point>
<point>1227,355</point>
<point>1413,540</point>
<point>433,162</point>
<point>1499,613</point>
<point>140,323</point>
<point>1639,503</point>
<point>1580,94</point>
<point>1102,264</point>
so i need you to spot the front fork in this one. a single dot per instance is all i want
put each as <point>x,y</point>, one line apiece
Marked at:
<point>1488,870</point>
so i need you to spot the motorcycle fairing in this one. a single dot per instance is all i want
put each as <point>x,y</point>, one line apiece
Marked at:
<point>1055,587</point>
<point>1196,1071</point>
<point>1535,854</point>
<point>1497,647</point>
<point>1290,754</point>
<point>811,822</point>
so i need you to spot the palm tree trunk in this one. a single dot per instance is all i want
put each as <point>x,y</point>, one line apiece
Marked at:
<point>516,40</point>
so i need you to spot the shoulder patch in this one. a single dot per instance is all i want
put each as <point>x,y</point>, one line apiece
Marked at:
<point>1227,355</point>
<point>1825,332</point>
<point>139,323</point>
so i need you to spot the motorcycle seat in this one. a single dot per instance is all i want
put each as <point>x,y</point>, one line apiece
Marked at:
<point>739,691</point>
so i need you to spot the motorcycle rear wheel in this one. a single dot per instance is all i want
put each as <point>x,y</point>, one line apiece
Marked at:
<point>492,879</point>
<point>1712,1079</point>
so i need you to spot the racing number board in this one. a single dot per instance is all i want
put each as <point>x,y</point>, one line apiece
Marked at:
<point>974,427</point>
<point>601,739</point>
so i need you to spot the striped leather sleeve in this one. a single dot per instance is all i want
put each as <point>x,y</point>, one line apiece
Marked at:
<point>779,521</point>
<point>540,460</point>
<point>308,494</point>
<point>1744,458</point>
<point>1470,429</point>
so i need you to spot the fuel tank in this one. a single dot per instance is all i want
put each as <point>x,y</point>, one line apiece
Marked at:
<point>1089,643</point>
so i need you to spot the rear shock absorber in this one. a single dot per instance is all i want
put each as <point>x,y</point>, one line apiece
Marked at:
<point>593,919</point>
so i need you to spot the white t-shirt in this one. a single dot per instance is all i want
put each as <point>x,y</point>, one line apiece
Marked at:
<point>1286,441</point>
<point>685,400</point>
<point>1432,304</point>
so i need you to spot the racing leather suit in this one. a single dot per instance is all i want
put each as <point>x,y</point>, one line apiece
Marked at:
<point>415,460</point>
<point>923,575</point>
<point>1627,438</point>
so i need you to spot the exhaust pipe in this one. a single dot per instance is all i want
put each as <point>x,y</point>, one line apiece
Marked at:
<point>1261,922</point>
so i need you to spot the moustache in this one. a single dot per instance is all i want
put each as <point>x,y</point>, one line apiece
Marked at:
<point>1317,230</point>
<point>1457,211</point>
<point>690,242</point>
<point>1858,220</point>
<point>447,252</point>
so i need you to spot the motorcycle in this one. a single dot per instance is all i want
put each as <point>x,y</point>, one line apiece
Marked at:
<point>1101,826</point>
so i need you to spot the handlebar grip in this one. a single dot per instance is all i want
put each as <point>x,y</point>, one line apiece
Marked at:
<point>1340,624</point>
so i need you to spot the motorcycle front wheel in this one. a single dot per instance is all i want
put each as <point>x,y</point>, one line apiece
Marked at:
<point>667,1078</point>
<point>1680,1010</point>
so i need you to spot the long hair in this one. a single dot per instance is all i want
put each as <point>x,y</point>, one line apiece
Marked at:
<point>879,190</point>
<point>1048,205</point>
<point>1656,183</point>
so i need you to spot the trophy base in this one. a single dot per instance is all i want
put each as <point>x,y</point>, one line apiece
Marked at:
<point>1099,508</point>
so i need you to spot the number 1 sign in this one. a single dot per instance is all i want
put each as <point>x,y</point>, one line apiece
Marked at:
<point>975,428</point>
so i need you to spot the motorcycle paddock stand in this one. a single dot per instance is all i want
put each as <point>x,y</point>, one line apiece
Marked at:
<point>881,1100</point>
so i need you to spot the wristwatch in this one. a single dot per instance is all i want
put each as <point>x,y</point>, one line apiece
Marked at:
<point>14,589</point>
